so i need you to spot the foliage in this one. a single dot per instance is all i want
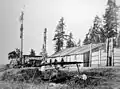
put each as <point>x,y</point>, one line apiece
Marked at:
<point>59,35</point>
<point>96,33</point>
<point>96,77</point>
<point>86,40</point>
<point>79,43</point>
<point>14,55</point>
<point>111,19</point>
<point>58,45</point>
<point>70,43</point>
<point>101,30</point>
<point>110,22</point>
<point>32,52</point>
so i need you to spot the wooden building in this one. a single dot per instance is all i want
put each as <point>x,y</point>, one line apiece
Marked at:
<point>32,60</point>
<point>77,54</point>
<point>92,55</point>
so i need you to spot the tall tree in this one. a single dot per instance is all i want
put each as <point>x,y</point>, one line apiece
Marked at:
<point>111,19</point>
<point>96,33</point>
<point>32,52</point>
<point>70,43</point>
<point>59,35</point>
<point>110,22</point>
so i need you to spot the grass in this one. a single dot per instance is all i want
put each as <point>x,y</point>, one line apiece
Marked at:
<point>97,78</point>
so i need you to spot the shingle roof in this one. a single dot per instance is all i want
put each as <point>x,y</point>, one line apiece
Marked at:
<point>76,50</point>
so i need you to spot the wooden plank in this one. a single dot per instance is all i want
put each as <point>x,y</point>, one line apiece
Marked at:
<point>116,63</point>
<point>94,65</point>
<point>116,60</point>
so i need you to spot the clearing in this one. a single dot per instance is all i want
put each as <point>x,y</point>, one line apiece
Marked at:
<point>32,78</point>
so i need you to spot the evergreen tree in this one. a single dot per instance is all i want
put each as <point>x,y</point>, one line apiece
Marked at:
<point>92,35</point>
<point>97,30</point>
<point>96,33</point>
<point>70,43</point>
<point>110,23</point>
<point>111,19</point>
<point>86,40</point>
<point>59,35</point>
<point>32,52</point>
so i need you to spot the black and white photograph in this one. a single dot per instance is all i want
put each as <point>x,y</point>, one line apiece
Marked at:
<point>59,44</point>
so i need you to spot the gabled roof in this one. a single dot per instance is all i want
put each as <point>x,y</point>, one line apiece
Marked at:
<point>86,48</point>
<point>64,52</point>
<point>76,50</point>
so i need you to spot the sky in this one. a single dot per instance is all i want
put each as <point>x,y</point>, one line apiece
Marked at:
<point>41,14</point>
